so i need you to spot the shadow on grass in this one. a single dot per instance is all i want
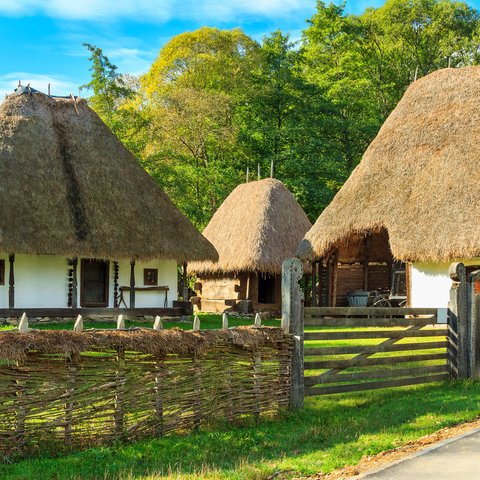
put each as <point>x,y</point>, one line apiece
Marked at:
<point>330,432</point>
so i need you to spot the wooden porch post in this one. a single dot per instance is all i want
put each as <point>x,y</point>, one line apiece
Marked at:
<point>132,284</point>
<point>115,284</point>
<point>314,284</point>
<point>11,282</point>
<point>74,282</point>
<point>249,287</point>
<point>320,285</point>
<point>185,282</point>
<point>366,254</point>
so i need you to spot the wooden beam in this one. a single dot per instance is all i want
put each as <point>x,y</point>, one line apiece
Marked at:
<point>314,284</point>
<point>132,284</point>
<point>115,284</point>
<point>334,278</point>
<point>11,282</point>
<point>185,282</point>
<point>74,283</point>
<point>320,282</point>
<point>90,312</point>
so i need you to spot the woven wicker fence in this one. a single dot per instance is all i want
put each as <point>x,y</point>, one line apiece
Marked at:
<point>65,390</point>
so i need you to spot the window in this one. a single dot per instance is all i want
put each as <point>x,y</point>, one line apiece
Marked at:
<point>2,272</point>
<point>150,276</point>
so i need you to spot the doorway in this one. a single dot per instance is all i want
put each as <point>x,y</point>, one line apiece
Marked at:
<point>94,283</point>
<point>266,288</point>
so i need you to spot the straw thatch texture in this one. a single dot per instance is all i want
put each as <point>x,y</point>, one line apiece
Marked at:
<point>61,397</point>
<point>69,187</point>
<point>419,177</point>
<point>256,228</point>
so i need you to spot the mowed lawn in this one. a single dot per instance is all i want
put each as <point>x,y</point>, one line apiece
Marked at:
<point>330,432</point>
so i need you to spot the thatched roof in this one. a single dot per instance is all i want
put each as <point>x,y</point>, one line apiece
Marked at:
<point>256,228</point>
<point>418,179</point>
<point>69,187</point>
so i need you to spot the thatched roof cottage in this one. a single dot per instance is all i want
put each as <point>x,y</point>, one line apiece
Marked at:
<point>74,201</point>
<point>256,228</point>
<point>411,198</point>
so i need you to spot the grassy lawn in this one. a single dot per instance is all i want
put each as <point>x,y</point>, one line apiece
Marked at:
<point>207,321</point>
<point>331,432</point>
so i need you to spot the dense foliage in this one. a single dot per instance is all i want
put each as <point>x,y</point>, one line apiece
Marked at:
<point>216,102</point>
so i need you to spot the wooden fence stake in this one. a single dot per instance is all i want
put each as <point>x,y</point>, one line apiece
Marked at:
<point>120,394</point>
<point>224,321</point>
<point>257,368</point>
<point>120,322</point>
<point>158,325</point>
<point>197,402</point>
<point>78,327</point>
<point>72,367</point>
<point>196,323</point>
<point>159,395</point>
<point>23,324</point>
<point>258,320</point>
<point>292,322</point>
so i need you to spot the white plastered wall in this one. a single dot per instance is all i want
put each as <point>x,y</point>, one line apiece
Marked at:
<point>431,283</point>
<point>41,281</point>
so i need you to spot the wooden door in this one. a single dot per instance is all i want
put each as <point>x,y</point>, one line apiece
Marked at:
<point>94,283</point>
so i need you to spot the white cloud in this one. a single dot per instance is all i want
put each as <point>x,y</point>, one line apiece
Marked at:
<point>156,10</point>
<point>59,85</point>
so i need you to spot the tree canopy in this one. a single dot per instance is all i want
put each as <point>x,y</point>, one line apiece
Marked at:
<point>216,102</point>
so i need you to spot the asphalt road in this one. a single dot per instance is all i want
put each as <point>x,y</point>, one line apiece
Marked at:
<point>457,458</point>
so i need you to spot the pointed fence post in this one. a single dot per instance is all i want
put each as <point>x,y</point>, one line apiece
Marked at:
<point>158,325</point>
<point>196,323</point>
<point>120,322</point>
<point>258,320</point>
<point>292,322</point>
<point>458,318</point>
<point>78,327</point>
<point>224,321</point>
<point>23,324</point>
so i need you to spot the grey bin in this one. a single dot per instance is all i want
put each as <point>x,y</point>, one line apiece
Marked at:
<point>358,298</point>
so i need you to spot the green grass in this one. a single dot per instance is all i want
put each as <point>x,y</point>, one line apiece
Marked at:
<point>331,432</point>
<point>207,322</point>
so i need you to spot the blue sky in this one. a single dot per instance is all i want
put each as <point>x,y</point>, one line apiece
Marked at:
<point>41,40</point>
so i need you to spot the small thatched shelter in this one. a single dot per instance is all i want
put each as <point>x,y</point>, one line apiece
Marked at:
<point>411,198</point>
<point>256,228</point>
<point>72,197</point>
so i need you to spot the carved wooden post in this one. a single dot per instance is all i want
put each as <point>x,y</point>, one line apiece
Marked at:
<point>74,283</point>
<point>474,324</point>
<point>159,395</point>
<point>11,282</point>
<point>314,284</point>
<point>185,282</point>
<point>292,322</point>
<point>132,284</point>
<point>115,285</point>
<point>459,316</point>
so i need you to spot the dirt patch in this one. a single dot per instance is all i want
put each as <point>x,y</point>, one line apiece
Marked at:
<point>373,462</point>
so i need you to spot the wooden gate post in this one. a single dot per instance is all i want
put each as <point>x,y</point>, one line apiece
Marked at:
<point>459,316</point>
<point>292,322</point>
<point>474,324</point>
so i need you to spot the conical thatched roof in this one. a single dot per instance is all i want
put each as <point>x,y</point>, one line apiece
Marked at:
<point>69,187</point>
<point>419,179</point>
<point>256,228</point>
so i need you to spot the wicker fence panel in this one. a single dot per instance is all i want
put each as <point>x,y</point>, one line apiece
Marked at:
<point>75,399</point>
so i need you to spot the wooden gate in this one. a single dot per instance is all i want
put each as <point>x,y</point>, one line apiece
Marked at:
<point>350,349</point>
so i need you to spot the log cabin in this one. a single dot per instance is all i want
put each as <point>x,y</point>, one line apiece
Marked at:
<point>256,228</point>
<point>410,199</point>
<point>82,224</point>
